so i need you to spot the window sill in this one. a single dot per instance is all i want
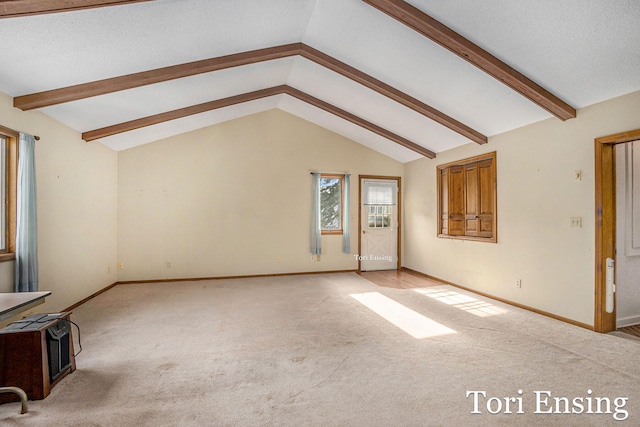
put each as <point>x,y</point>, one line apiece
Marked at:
<point>7,257</point>
<point>476,239</point>
<point>337,232</point>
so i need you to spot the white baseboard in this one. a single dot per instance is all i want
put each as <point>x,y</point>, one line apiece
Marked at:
<point>627,321</point>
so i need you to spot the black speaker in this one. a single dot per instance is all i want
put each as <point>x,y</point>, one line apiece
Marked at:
<point>58,336</point>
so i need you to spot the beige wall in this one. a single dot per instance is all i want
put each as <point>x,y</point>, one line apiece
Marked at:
<point>536,198</point>
<point>77,199</point>
<point>230,199</point>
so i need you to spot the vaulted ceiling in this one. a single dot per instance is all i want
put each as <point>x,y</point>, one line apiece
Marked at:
<point>408,79</point>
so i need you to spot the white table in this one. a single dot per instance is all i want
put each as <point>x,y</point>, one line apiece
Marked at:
<point>12,304</point>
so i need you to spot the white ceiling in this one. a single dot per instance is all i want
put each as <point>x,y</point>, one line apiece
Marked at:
<point>583,51</point>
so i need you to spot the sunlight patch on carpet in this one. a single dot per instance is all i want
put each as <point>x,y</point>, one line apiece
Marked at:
<point>463,302</point>
<point>413,323</point>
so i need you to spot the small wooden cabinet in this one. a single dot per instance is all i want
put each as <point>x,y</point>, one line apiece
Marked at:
<point>35,354</point>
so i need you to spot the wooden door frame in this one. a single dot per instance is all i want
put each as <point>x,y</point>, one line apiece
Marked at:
<point>388,178</point>
<point>605,210</point>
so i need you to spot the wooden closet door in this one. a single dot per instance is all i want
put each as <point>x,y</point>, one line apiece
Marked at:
<point>467,199</point>
<point>456,201</point>
<point>443,187</point>
<point>471,200</point>
<point>486,201</point>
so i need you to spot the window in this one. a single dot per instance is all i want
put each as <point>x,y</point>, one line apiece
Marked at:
<point>331,203</point>
<point>467,199</point>
<point>379,216</point>
<point>8,178</point>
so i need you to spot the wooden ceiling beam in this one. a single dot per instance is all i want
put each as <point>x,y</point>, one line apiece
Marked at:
<point>130,81</point>
<point>474,54</point>
<point>179,113</point>
<point>16,8</point>
<point>158,75</point>
<point>360,122</point>
<point>391,92</point>
<point>250,96</point>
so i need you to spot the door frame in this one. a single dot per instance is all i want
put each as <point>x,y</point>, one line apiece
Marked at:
<point>388,178</point>
<point>605,213</point>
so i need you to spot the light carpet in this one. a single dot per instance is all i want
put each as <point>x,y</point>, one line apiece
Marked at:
<point>306,351</point>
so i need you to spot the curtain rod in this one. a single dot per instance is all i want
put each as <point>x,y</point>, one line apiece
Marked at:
<point>329,173</point>
<point>15,133</point>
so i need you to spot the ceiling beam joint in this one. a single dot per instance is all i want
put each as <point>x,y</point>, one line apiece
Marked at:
<point>131,81</point>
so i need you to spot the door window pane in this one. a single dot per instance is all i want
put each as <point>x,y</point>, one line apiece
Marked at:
<point>379,216</point>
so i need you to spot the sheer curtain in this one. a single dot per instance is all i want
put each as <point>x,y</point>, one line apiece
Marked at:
<point>316,234</point>
<point>346,227</point>
<point>26,222</point>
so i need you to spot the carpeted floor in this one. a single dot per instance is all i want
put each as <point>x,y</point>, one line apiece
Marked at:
<point>315,350</point>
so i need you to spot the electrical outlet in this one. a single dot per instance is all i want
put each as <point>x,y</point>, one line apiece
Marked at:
<point>121,265</point>
<point>278,259</point>
<point>518,283</point>
<point>576,221</point>
<point>168,264</point>
<point>318,257</point>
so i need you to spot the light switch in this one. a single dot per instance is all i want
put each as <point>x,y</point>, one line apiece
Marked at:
<point>576,221</point>
<point>577,175</point>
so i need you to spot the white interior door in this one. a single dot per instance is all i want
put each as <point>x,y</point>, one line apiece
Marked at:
<point>379,224</point>
<point>627,260</point>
